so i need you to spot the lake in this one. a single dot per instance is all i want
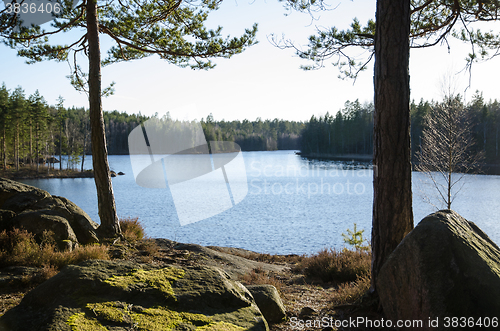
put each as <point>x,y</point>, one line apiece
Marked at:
<point>293,205</point>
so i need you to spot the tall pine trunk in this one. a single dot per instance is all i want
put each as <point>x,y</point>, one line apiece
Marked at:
<point>392,201</point>
<point>16,145</point>
<point>106,202</point>
<point>4,148</point>
<point>60,148</point>
<point>84,143</point>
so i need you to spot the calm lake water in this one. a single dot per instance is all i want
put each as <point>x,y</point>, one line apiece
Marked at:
<point>293,205</point>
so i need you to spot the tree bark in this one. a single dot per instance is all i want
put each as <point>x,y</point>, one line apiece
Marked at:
<point>106,202</point>
<point>392,201</point>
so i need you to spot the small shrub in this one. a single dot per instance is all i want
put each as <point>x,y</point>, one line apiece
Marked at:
<point>17,247</point>
<point>132,229</point>
<point>355,238</point>
<point>340,266</point>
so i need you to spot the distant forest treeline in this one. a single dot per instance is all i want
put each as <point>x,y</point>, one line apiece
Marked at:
<point>350,131</point>
<point>31,130</point>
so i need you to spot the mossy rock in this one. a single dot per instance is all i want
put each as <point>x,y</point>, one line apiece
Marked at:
<point>445,267</point>
<point>105,295</point>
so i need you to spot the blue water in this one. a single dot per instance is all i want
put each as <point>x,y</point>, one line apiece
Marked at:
<point>293,205</point>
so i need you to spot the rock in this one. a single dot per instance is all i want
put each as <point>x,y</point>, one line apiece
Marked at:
<point>307,312</point>
<point>445,267</point>
<point>234,265</point>
<point>112,173</point>
<point>38,221</point>
<point>16,276</point>
<point>24,206</point>
<point>121,173</point>
<point>269,302</point>
<point>17,197</point>
<point>125,296</point>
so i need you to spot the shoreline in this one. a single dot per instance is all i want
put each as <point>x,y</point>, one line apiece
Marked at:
<point>338,157</point>
<point>43,173</point>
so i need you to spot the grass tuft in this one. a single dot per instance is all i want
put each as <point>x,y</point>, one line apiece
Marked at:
<point>132,229</point>
<point>19,248</point>
<point>331,265</point>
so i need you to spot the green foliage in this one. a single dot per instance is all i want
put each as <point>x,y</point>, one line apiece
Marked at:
<point>255,135</point>
<point>432,23</point>
<point>355,238</point>
<point>349,132</point>
<point>174,30</point>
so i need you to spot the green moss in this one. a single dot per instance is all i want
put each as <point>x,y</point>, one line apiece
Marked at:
<point>158,278</point>
<point>80,322</point>
<point>151,319</point>
<point>109,311</point>
<point>220,326</point>
<point>196,319</point>
<point>156,319</point>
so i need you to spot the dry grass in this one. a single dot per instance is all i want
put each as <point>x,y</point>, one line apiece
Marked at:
<point>132,229</point>
<point>135,236</point>
<point>350,292</point>
<point>260,277</point>
<point>19,248</point>
<point>336,266</point>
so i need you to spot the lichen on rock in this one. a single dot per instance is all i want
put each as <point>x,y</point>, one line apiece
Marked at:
<point>151,319</point>
<point>80,322</point>
<point>159,278</point>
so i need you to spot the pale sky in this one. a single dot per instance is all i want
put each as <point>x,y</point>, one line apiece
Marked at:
<point>264,81</point>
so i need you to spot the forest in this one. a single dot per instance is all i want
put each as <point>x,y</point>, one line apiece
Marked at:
<point>350,131</point>
<point>31,129</point>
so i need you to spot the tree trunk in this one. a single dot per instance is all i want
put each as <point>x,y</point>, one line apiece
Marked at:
<point>31,144</point>
<point>84,143</point>
<point>60,148</point>
<point>37,148</point>
<point>392,198</point>
<point>16,145</point>
<point>4,148</point>
<point>106,202</point>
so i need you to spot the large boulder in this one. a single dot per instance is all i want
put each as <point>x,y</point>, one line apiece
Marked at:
<point>445,268</point>
<point>269,302</point>
<point>33,209</point>
<point>105,295</point>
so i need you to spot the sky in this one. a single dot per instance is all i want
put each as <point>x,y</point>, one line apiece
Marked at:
<point>264,81</point>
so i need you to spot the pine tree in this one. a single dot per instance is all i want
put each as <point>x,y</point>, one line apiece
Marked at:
<point>174,30</point>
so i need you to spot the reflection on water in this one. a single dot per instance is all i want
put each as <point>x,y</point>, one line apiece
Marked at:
<point>293,205</point>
